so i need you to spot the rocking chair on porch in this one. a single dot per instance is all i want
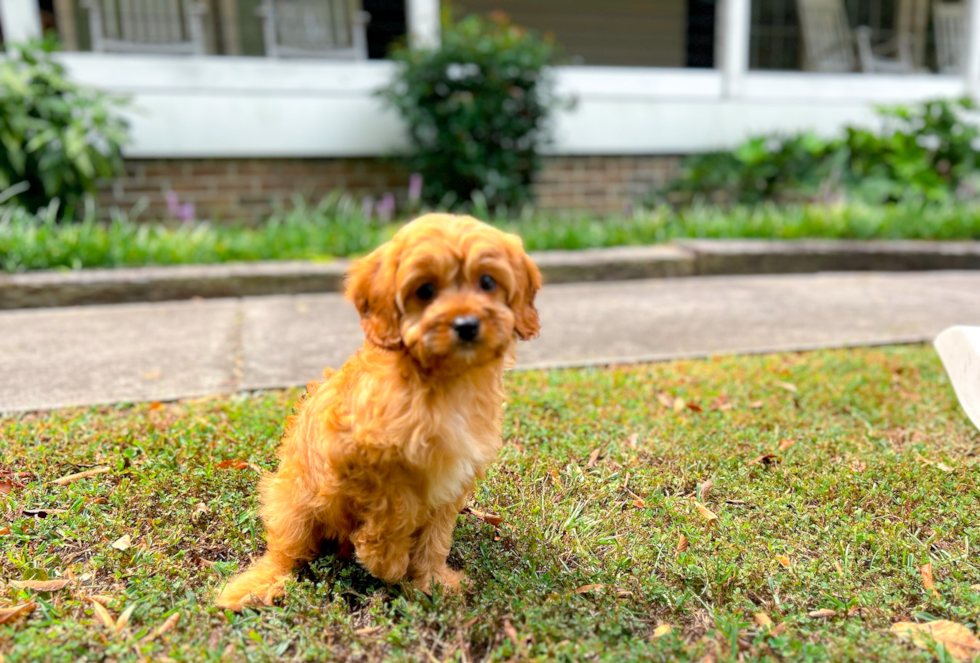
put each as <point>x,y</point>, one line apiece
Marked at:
<point>314,29</point>
<point>829,43</point>
<point>146,26</point>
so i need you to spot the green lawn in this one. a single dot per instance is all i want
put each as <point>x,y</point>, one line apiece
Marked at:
<point>336,228</point>
<point>881,479</point>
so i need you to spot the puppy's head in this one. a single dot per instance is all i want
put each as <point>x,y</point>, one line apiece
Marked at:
<point>450,290</point>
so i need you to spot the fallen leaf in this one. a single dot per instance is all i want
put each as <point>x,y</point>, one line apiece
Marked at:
<point>736,502</point>
<point>593,457</point>
<point>152,375</point>
<point>704,489</point>
<point>201,508</point>
<point>662,630</point>
<point>765,459</point>
<point>64,481</point>
<point>927,580</point>
<point>859,466</point>
<point>944,467</point>
<point>6,487</point>
<point>706,513</point>
<point>166,626</point>
<point>681,544</point>
<point>123,620</point>
<point>762,619</point>
<point>788,386</point>
<point>42,513</point>
<point>156,405</point>
<point>510,631</point>
<point>678,404</point>
<point>634,439</point>
<point>784,561</point>
<point>122,543</point>
<point>9,614</point>
<point>786,443</point>
<point>41,585</point>
<point>232,464</point>
<point>959,641</point>
<point>100,598</point>
<point>665,400</point>
<point>756,405</point>
<point>103,615</point>
<point>779,629</point>
<point>694,407</point>
<point>976,587</point>
<point>639,504</point>
<point>490,518</point>
<point>368,631</point>
<point>840,569</point>
<point>824,613</point>
<point>4,531</point>
<point>584,589</point>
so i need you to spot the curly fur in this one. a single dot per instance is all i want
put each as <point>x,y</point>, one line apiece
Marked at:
<point>384,453</point>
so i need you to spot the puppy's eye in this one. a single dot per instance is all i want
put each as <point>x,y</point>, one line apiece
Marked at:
<point>487,283</point>
<point>426,292</point>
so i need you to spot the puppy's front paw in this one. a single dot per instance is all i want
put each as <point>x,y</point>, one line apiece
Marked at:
<point>445,577</point>
<point>384,565</point>
<point>248,589</point>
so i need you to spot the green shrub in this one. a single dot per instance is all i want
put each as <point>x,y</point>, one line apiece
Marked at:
<point>56,137</point>
<point>926,153</point>
<point>476,108</point>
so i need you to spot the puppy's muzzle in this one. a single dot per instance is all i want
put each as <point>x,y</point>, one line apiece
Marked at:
<point>467,328</point>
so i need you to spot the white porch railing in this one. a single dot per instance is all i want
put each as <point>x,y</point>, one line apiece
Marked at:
<point>185,107</point>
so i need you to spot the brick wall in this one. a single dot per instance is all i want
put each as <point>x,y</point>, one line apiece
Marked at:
<point>248,189</point>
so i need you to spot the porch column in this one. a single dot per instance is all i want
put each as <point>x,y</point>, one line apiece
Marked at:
<point>21,20</point>
<point>423,22</point>
<point>736,23</point>
<point>971,70</point>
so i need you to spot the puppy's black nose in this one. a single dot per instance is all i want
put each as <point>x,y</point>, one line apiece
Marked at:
<point>467,327</point>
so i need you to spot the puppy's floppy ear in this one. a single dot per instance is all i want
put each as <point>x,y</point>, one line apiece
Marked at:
<point>527,280</point>
<point>370,284</point>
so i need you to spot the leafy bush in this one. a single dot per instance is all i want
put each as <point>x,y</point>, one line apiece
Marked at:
<point>926,153</point>
<point>56,137</point>
<point>338,227</point>
<point>476,107</point>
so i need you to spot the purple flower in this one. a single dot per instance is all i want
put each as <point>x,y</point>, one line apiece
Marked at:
<point>386,207</point>
<point>187,212</point>
<point>367,206</point>
<point>173,203</point>
<point>414,188</point>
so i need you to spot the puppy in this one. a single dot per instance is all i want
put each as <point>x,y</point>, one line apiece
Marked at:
<point>385,452</point>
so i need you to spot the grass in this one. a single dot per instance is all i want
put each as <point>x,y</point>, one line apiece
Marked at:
<point>881,479</point>
<point>336,228</point>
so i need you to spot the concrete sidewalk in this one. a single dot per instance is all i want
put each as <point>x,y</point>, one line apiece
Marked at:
<point>101,354</point>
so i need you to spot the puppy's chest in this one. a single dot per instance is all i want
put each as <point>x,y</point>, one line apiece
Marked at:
<point>457,457</point>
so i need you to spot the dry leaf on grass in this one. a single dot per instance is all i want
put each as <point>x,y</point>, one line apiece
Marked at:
<point>756,405</point>
<point>584,589</point>
<point>639,503</point>
<point>156,405</point>
<point>707,514</point>
<point>704,489</point>
<point>165,627</point>
<point>490,518</point>
<point>665,400</point>
<point>64,481</point>
<point>9,614</point>
<point>736,502</point>
<point>944,467</point>
<point>762,619</point>
<point>370,630</point>
<point>778,630</point>
<point>122,543</point>
<point>662,630</point>
<point>6,487</point>
<point>788,386</point>
<point>784,561</point>
<point>4,531</point>
<point>824,613</point>
<point>593,457</point>
<point>103,615</point>
<point>634,439</point>
<point>765,459</point>
<point>694,407</point>
<point>840,569</point>
<point>41,585</point>
<point>927,580</point>
<point>511,632</point>
<point>786,443</point>
<point>101,598</point>
<point>678,405</point>
<point>976,587</point>
<point>958,640</point>
<point>123,620</point>
<point>682,544</point>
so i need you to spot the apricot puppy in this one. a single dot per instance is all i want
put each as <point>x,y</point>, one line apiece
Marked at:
<point>384,453</point>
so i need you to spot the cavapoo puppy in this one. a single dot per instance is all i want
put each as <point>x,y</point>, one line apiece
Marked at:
<point>384,453</point>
